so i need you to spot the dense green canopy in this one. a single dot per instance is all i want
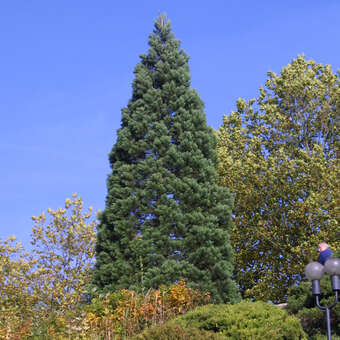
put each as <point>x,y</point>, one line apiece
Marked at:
<point>165,216</point>
<point>279,156</point>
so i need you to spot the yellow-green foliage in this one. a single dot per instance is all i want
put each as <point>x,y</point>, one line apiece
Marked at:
<point>245,320</point>
<point>172,332</point>
<point>125,312</point>
<point>63,249</point>
<point>15,298</point>
<point>40,291</point>
<point>323,337</point>
<point>279,156</point>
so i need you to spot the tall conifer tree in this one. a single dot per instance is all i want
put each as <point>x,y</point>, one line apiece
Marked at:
<point>165,216</point>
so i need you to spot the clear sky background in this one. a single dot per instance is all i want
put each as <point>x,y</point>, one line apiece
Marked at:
<point>66,68</point>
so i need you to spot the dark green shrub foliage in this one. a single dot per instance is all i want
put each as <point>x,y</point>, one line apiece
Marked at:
<point>173,332</point>
<point>165,218</point>
<point>245,320</point>
<point>301,302</point>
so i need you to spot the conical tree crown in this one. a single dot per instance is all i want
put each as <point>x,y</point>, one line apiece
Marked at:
<point>165,217</point>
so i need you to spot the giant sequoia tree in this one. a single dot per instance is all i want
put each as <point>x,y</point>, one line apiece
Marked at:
<point>165,216</point>
<point>279,156</point>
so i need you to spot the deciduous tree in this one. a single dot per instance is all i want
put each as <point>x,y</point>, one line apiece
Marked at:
<point>63,246</point>
<point>47,283</point>
<point>279,156</point>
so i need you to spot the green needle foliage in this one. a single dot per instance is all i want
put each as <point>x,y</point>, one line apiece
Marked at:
<point>165,217</point>
<point>279,156</point>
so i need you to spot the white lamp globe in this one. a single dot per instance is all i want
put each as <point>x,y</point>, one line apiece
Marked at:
<point>332,266</point>
<point>314,271</point>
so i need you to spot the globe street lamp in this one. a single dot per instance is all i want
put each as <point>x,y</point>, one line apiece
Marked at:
<point>314,272</point>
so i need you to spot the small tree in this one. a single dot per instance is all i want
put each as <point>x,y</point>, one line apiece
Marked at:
<point>165,216</point>
<point>16,299</point>
<point>63,249</point>
<point>39,287</point>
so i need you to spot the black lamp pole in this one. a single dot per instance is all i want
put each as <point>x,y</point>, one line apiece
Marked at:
<point>328,312</point>
<point>314,272</point>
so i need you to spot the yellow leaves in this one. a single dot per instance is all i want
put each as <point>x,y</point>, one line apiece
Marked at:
<point>68,203</point>
<point>241,104</point>
<point>14,285</point>
<point>279,160</point>
<point>49,280</point>
<point>124,313</point>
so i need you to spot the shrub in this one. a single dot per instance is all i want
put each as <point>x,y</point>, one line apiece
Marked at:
<point>125,312</point>
<point>246,320</point>
<point>173,332</point>
<point>301,303</point>
<point>323,337</point>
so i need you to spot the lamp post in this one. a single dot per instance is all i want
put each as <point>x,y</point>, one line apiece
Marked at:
<point>314,272</point>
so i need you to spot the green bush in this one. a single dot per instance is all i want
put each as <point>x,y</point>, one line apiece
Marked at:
<point>175,332</point>
<point>245,320</point>
<point>323,337</point>
<point>301,303</point>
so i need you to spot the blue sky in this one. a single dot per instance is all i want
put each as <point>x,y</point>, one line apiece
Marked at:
<point>66,69</point>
